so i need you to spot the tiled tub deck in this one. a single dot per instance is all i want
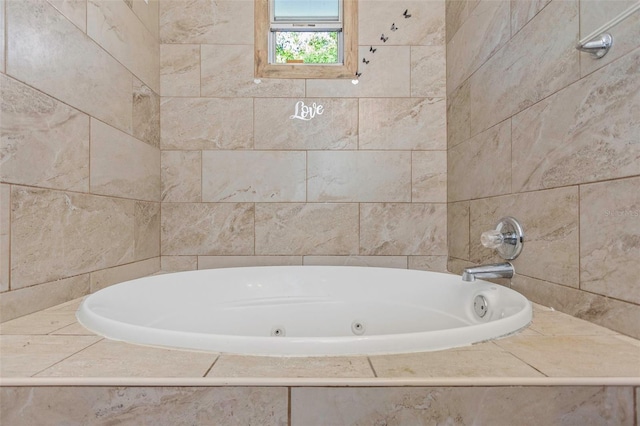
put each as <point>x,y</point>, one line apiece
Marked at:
<point>560,370</point>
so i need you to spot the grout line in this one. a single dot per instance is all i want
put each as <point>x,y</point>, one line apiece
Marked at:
<point>289,406</point>
<point>375,374</point>
<point>199,70</point>
<point>91,128</point>
<point>4,35</point>
<point>11,214</point>
<point>635,406</point>
<point>211,366</point>
<point>522,360</point>
<point>579,240</point>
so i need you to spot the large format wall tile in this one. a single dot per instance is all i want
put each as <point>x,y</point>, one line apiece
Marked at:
<point>118,30</point>
<point>73,10</point>
<point>428,71</point>
<point>148,11</point>
<point>367,261</point>
<point>387,75</point>
<point>550,222</point>
<point>213,262</point>
<point>610,238</point>
<point>110,276</point>
<point>301,229</point>
<point>43,142</point>
<point>253,176</point>
<point>425,27</point>
<point>459,115</point>
<point>207,229</point>
<point>428,263</point>
<point>335,128</point>
<point>480,167</point>
<point>146,114</point>
<point>146,405</point>
<point>179,263</point>
<point>123,166</point>
<point>180,70</point>
<point>584,133</point>
<point>595,13</point>
<point>48,52</point>
<point>181,176</point>
<point>429,176</point>
<point>403,229</point>
<point>410,123</point>
<point>457,12</point>
<point>458,229</point>
<point>56,234</point>
<point>206,123</point>
<point>486,30</point>
<point>146,231</point>
<point>27,300</point>
<point>552,35</point>
<point>206,22</point>
<point>365,176</point>
<point>467,405</point>
<point>227,71</point>
<point>523,11</point>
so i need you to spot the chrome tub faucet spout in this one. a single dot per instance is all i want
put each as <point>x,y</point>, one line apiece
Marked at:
<point>494,270</point>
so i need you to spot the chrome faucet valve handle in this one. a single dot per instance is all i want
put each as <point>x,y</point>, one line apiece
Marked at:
<point>507,239</point>
<point>492,239</point>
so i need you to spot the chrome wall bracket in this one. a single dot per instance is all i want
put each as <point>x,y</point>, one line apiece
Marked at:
<point>598,47</point>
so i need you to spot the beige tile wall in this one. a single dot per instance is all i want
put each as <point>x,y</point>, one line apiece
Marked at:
<point>85,163</point>
<point>364,183</point>
<point>310,406</point>
<point>549,135</point>
<point>79,148</point>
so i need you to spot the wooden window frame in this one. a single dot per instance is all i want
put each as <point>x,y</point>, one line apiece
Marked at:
<point>348,69</point>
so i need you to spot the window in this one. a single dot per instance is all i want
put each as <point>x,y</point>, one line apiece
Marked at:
<point>306,38</point>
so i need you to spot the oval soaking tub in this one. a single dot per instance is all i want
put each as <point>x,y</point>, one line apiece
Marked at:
<point>305,311</point>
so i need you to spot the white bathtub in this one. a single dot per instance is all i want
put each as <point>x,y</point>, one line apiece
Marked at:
<point>304,311</point>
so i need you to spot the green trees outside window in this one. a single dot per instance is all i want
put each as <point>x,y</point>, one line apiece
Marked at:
<point>307,47</point>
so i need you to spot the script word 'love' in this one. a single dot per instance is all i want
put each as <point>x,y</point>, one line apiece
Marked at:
<point>304,112</point>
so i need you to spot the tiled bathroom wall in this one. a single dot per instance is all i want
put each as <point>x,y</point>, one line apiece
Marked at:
<point>547,134</point>
<point>364,183</point>
<point>80,148</point>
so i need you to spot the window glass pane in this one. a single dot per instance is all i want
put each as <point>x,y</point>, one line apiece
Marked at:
<point>306,47</point>
<point>306,10</point>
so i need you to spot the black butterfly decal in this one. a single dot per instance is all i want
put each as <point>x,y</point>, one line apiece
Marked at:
<point>383,38</point>
<point>393,27</point>
<point>358,74</point>
<point>364,60</point>
<point>406,13</point>
<point>372,50</point>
